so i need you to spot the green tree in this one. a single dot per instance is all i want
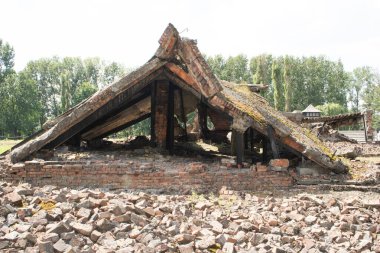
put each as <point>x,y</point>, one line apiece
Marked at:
<point>276,84</point>
<point>330,109</point>
<point>46,75</point>
<point>371,98</point>
<point>7,56</point>
<point>360,79</point>
<point>337,82</point>
<point>236,69</point>
<point>112,72</point>
<point>261,72</point>
<point>93,68</point>
<point>287,84</point>
<point>217,64</point>
<point>66,91</point>
<point>20,116</point>
<point>258,77</point>
<point>6,70</point>
<point>85,90</point>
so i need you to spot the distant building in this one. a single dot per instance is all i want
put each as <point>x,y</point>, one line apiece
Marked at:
<point>311,112</point>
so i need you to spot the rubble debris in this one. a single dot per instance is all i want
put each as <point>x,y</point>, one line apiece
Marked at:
<point>351,154</point>
<point>244,222</point>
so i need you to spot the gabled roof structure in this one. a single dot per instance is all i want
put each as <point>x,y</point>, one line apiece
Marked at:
<point>311,108</point>
<point>179,61</point>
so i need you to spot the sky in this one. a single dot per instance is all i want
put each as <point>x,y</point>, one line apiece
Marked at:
<point>128,31</point>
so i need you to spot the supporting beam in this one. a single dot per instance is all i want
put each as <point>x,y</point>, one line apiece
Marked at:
<point>239,144</point>
<point>273,144</point>
<point>153,95</point>
<point>170,119</point>
<point>246,139</point>
<point>202,116</point>
<point>161,112</point>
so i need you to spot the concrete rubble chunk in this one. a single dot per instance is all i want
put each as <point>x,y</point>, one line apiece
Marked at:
<point>95,235</point>
<point>201,205</point>
<point>12,236</point>
<point>104,225</point>
<point>228,247</point>
<point>374,204</point>
<point>84,229</point>
<point>310,219</point>
<point>61,246</point>
<point>184,238</point>
<point>139,220</point>
<point>13,198</point>
<point>46,247</point>
<point>59,228</point>
<point>50,237</point>
<point>205,242</point>
<point>83,213</point>
<point>217,227</point>
<point>186,248</point>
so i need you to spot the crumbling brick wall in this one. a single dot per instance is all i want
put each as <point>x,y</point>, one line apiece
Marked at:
<point>178,176</point>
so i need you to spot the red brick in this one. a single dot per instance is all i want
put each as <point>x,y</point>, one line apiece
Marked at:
<point>284,163</point>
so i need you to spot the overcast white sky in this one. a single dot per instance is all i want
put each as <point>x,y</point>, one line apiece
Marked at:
<point>128,31</point>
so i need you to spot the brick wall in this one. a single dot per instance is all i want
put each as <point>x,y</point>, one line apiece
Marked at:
<point>181,175</point>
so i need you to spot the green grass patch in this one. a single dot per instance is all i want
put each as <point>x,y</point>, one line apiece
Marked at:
<point>7,144</point>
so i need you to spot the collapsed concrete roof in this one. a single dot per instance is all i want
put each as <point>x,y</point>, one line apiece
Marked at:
<point>179,60</point>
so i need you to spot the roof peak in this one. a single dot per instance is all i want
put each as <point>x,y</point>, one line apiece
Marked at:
<point>311,108</point>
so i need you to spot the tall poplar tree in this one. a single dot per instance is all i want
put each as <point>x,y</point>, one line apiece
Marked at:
<point>287,84</point>
<point>276,83</point>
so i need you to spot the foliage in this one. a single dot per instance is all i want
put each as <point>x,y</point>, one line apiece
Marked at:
<point>361,78</point>
<point>141,128</point>
<point>7,55</point>
<point>287,84</point>
<point>84,91</point>
<point>330,109</point>
<point>234,69</point>
<point>47,87</point>
<point>277,87</point>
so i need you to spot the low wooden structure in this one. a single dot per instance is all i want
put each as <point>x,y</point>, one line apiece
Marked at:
<point>174,82</point>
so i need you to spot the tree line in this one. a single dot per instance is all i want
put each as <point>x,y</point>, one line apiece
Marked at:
<point>47,87</point>
<point>296,82</point>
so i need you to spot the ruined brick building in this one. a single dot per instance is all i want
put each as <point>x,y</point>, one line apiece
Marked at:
<point>173,83</point>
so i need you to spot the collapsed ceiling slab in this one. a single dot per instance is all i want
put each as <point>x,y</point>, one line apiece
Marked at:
<point>181,61</point>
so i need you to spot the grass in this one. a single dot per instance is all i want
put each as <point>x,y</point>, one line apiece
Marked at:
<point>7,144</point>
